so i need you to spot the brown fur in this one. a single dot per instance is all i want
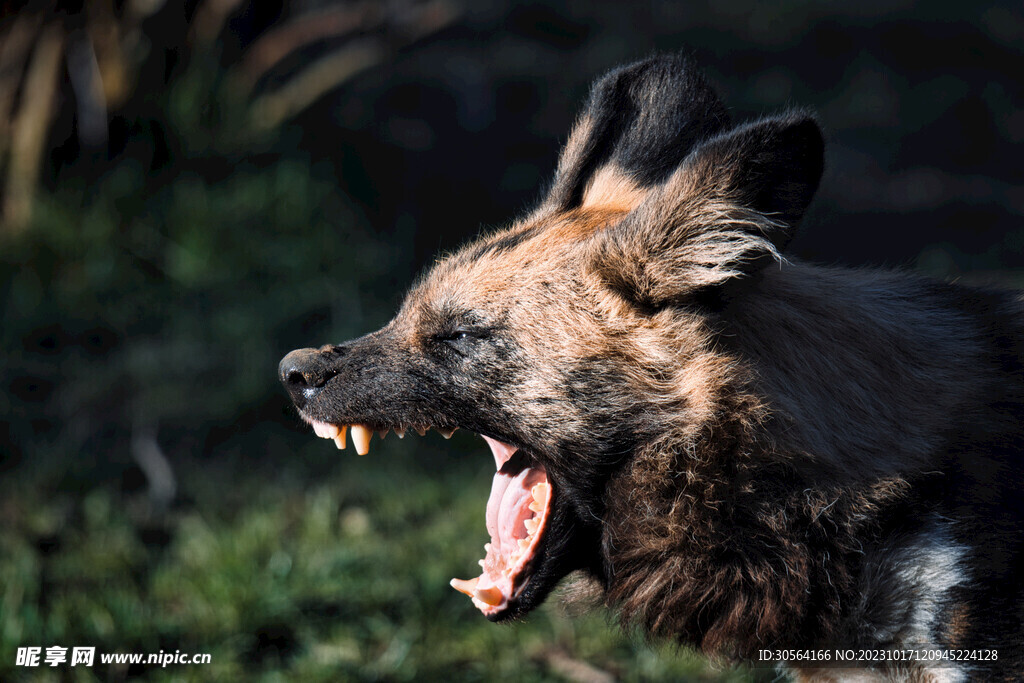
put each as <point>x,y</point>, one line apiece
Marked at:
<point>745,451</point>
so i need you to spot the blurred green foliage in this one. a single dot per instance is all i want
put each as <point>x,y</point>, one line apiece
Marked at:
<point>147,300</point>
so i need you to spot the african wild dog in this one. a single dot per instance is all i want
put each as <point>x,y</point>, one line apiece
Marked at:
<point>744,452</point>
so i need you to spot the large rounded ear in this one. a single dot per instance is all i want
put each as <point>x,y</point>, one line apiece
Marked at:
<point>640,122</point>
<point>772,166</point>
<point>735,200</point>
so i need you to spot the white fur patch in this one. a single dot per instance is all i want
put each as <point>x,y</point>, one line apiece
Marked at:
<point>930,569</point>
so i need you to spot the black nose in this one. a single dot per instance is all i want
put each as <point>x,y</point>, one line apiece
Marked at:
<point>304,372</point>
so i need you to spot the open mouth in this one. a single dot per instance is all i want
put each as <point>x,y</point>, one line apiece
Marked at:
<point>518,510</point>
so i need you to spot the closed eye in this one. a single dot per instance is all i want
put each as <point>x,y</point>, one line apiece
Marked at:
<point>462,341</point>
<point>462,334</point>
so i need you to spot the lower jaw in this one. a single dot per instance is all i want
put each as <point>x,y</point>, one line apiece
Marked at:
<point>517,518</point>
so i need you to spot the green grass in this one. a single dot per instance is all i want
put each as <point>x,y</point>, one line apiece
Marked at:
<point>334,570</point>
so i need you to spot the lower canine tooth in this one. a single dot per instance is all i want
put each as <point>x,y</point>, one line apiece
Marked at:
<point>466,587</point>
<point>361,439</point>
<point>490,596</point>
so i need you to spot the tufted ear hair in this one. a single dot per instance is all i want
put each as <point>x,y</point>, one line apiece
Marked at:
<point>639,123</point>
<point>732,202</point>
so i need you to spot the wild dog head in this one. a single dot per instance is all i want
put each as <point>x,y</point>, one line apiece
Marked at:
<point>582,335</point>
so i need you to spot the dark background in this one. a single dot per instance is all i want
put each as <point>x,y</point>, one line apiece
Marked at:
<point>192,189</point>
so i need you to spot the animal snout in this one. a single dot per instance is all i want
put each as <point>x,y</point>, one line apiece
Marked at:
<point>304,372</point>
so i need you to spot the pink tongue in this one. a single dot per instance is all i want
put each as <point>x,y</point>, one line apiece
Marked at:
<point>508,504</point>
<point>508,507</point>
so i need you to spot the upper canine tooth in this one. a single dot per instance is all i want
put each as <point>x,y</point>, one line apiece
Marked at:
<point>339,440</point>
<point>361,439</point>
<point>446,433</point>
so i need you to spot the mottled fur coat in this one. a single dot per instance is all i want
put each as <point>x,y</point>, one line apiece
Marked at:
<point>744,451</point>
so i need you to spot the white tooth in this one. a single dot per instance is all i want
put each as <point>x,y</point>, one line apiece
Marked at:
<point>447,433</point>
<point>491,596</point>
<point>324,430</point>
<point>383,433</point>
<point>487,547</point>
<point>339,439</point>
<point>536,507</point>
<point>400,431</point>
<point>421,430</point>
<point>540,493</point>
<point>531,526</point>
<point>480,562</point>
<point>523,544</point>
<point>464,586</point>
<point>361,439</point>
